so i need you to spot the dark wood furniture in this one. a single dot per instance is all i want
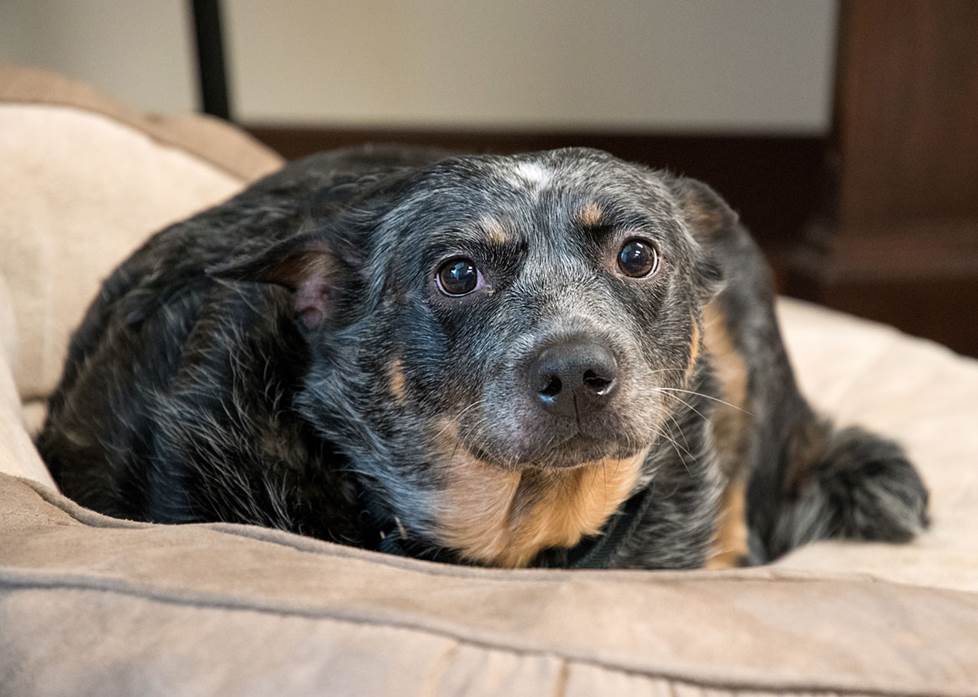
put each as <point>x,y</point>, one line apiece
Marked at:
<point>898,237</point>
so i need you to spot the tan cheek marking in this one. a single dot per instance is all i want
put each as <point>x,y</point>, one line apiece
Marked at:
<point>731,424</point>
<point>506,517</point>
<point>494,230</point>
<point>591,214</point>
<point>395,374</point>
<point>731,544</point>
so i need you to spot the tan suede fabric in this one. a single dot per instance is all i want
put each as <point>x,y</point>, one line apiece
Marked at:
<point>17,454</point>
<point>202,137</point>
<point>94,606</point>
<point>83,183</point>
<point>126,606</point>
<point>924,396</point>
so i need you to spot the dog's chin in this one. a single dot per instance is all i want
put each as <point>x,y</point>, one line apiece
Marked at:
<point>577,451</point>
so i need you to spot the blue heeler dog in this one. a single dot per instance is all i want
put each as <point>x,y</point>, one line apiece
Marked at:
<point>553,359</point>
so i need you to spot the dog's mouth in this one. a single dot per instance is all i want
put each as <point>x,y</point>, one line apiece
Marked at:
<point>573,451</point>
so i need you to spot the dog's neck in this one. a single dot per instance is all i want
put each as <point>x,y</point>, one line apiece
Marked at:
<point>500,517</point>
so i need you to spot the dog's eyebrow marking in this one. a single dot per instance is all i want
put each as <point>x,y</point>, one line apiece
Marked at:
<point>495,232</point>
<point>590,214</point>
<point>395,372</point>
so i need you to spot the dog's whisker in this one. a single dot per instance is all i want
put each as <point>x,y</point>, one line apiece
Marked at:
<point>686,404</point>
<point>679,428</point>
<point>704,396</point>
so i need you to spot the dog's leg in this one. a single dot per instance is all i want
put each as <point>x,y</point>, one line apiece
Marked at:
<point>731,547</point>
<point>806,480</point>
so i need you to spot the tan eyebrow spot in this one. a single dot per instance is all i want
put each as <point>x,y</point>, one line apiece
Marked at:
<point>494,230</point>
<point>591,214</point>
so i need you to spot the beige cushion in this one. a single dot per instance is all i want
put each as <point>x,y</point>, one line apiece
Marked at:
<point>923,395</point>
<point>83,183</point>
<point>17,454</point>
<point>104,607</point>
<point>94,606</point>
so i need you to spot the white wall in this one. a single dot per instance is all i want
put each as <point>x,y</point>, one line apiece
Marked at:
<point>732,65</point>
<point>137,50</point>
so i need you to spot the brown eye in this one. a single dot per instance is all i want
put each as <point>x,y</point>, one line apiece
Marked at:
<point>458,277</point>
<point>638,258</point>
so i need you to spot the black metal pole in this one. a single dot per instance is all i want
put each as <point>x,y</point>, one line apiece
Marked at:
<point>212,76</point>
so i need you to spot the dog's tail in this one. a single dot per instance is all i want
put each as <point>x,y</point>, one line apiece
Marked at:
<point>841,483</point>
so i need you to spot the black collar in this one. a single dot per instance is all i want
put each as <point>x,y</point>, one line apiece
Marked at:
<point>383,532</point>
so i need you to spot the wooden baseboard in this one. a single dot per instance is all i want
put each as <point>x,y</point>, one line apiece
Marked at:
<point>921,277</point>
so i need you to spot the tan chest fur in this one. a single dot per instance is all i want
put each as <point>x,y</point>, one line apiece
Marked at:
<point>505,517</point>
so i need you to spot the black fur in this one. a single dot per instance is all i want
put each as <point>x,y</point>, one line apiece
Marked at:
<point>285,359</point>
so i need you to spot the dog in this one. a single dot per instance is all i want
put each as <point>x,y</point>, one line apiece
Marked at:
<point>556,359</point>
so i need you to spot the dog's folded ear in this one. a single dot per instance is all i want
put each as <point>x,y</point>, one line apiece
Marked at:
<point>706,214</point>
<point>304,264</point>
<point>709,220</point>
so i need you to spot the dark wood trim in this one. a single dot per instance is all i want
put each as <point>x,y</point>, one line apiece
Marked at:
<point>939,250</point>
<point>897,238</point>
<point>919,277</point>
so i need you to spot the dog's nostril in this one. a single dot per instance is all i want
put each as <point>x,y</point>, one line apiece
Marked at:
<point>595,382</point>
<point>553,387</point>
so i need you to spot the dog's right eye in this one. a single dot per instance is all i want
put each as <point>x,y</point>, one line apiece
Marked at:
<point>458,276</point>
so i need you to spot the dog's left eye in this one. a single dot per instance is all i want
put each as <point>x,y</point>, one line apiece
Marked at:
<point>458,276</point>
<point>638,258</point>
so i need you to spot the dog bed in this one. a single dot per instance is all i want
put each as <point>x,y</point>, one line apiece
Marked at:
<point>91,605</point>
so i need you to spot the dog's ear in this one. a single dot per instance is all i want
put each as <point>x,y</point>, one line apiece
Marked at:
<point>710,220</point>
<point>304,264</point>
<point>707,215</point>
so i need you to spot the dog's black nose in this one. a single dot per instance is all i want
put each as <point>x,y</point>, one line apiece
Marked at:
<point>573,377</point>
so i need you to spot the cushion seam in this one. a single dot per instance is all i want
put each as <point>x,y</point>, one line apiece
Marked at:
<point>444,570</point>
<point>436,569</point>
<point>90,584</point>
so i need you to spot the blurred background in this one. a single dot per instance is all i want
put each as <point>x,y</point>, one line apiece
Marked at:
<point>845,133</point>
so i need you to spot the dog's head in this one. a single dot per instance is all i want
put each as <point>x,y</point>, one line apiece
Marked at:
<point>499,341</point>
